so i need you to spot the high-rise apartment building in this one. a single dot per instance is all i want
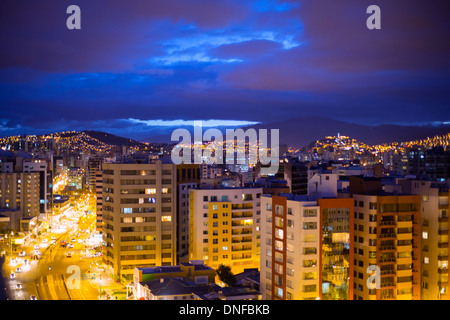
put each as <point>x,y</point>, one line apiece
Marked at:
<point>99,201</point>
<point>435,234</point>
<point>290,242</point>
<point>21,191</point>
<point>387,241</point>
<point>139,215</point>
<point>224,227</point>
<point>94,165</point>
<point>45,170</point>
<point>305,248</point>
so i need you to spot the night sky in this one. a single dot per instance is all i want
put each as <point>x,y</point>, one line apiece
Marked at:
<point>142,68</point>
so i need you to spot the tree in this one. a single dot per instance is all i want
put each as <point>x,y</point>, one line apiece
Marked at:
<point>225,275</point>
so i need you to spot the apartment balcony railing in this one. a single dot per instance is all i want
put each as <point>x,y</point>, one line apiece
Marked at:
<point>443,271</point>
<point>390,259</point>
<point>442,244</point>
<point>387,235</point>
<point>387,272</point>
<point>387,284</point>
<point>388,248</point>
<point>387,223</point>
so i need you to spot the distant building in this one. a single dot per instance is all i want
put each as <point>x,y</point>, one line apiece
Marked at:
<point>60,204</point>
<point>21,191</point>
<point>432,164</point>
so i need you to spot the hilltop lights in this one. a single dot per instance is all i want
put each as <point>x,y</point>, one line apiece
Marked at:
<point>257,148</point>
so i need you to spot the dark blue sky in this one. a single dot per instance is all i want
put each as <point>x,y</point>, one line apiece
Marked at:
<point>136,68</point>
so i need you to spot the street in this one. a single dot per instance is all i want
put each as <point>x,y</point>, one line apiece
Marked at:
<point>43,269</point>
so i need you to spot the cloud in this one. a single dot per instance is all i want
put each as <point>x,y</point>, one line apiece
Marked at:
<point>212,123</point>
<point>196,47</point>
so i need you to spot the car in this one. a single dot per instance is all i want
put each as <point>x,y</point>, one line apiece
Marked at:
<point>18,270</point>
<point>68,255</point>
<point>70,246</point>
<point>33,297</point>
<point>18,286</point>
<point>36,247</point>
<point>12,275</point>
<point>73,240</point>
<point>45,240</point>
<point>53,238</point>
<point>22,254</point>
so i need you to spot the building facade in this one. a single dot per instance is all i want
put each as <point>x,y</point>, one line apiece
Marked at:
<point>224,227</point>
<point>387,240</point>
<point>139,216</point>
<point>290,248</point>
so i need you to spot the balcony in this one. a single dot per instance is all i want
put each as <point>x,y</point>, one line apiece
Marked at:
<point>389,284</point>
<point>387,272</point>
<point>242,215</point>
<point>387,260</point>
<point>387,235</point>
<point>443,271</point>
<point>244,240</point>
<point>241,248</point>
<point>242,206</point>
<point>241,232</point>
<point>387,223</point>
<point>240,256</point>
<point>388,248</point>
<point>442,244</point>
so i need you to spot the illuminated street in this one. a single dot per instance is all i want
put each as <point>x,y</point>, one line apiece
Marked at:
<point>39,269</point>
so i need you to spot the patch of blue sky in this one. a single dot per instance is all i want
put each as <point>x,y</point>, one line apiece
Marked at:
<point>274,5</point>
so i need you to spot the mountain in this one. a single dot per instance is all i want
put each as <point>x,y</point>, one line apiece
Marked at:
<point>112,139</point>
<point>300,132</point>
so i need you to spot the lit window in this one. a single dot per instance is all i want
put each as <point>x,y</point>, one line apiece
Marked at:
<point>166,218</point>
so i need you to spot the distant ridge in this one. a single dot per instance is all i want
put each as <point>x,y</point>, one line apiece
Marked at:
<point>300,132</point>
<point>112,139</point>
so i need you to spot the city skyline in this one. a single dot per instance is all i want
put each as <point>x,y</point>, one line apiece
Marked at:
<point>143,69</point>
